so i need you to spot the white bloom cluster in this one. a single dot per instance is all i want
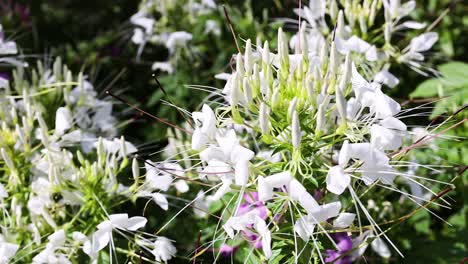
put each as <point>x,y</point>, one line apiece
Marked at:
<point>329,127</point>
<point>60,164</point>
<point>160,31</point>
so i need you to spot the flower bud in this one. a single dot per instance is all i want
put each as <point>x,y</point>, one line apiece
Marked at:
<point>135,170</point>
<point>7,160</point>
<point>346,77</point>
<point>265,56</point>
<point>388,32</point>
<point>239,65</point>
<point>340,25</point>
<point>235,93</point>
<point>323,54</point>
<point>372,12</point>
<point>43,130</point>
<point>333,10</point>
<point>123,147</point>
<point>247,90</point>
<point>292,107</point>
<point>248,59</point>
<point>264,118</point>
<point>333,64</point>
<point>304,42</point>
<point>296,130</point>
<point>283,50</point>
<point>362,24</point>
<point>341,104</point>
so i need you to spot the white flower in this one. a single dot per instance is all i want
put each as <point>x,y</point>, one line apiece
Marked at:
<point>101,238</point>
<point>63,120</point>
<point>305,225</point>
<point>177,39</point>
<point>7,251</point>
<point>51,253</point>
<point>6,47</point>
<point>205,127</point>
<point>163,66</point>
<point>211,26</point>
<point>355,44</point>
<point>266,185</point>
<point>163,249</point>
<point>385,77</point>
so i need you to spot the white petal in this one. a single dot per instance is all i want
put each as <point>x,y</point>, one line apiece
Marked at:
<point>181,186</point>
<point>379,246</point>
<point>265,191</point>
<point>344,220</point>
<point>337,180</point>
<point>136,222</point>
<point>393,123</point>
<point>242,172</point>
<point>63,120</point>
<point>278,180</point>
<point>161,200</point>
<point>385,77</point>
<point>423,42</point>
<point>119,220</point>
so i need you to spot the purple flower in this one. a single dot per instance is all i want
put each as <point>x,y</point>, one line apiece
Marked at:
<point>344,244</point>
<point>225,250</point>
<point>252,203</point>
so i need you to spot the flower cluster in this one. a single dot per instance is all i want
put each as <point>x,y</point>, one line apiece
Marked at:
<point>60,172</point>
<point>357,28</point>
<point>296,140</point>
<point>164,31</point>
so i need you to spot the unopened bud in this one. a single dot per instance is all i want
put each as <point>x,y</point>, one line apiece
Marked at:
<point>388,32</point>
<point>247,90</point>
<point>239,65</point>
<point>235,89</point>
<point>248,59</point>
<point>7,160</point>
<point>372,12</point>
<point>296,130</point>
<point>283,49</point>
<point>340,25</point>
<point>264,118</point>
<point>266,55</point>
<point>292,107</point>
<point>333,64</point>
<point>135,170</point>
<point>333,10</point>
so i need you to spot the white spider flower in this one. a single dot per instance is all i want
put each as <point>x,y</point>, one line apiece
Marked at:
<point>163,249</point>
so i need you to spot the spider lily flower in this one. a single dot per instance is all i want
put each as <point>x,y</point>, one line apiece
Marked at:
<point>266,185</point>
<point>305,225</point>
<point>205,129</point>
<point>243,222</point>
<point>52,252</point>
<point>413,53</point>
<point>7,250</point>
<point>103,235</point>
<point>397,10</point>
<point>387,78</point>
<point>355,44</point>
<point>377,245</point>
<point>163,249</point>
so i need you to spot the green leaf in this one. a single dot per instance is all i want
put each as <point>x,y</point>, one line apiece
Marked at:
<point>455,73</point>
<point>428,88</point>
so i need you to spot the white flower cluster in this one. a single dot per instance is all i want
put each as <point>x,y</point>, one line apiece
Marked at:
<point>60,164</point>
<point>161,31</point>
<point>330,126</point>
